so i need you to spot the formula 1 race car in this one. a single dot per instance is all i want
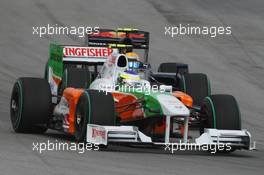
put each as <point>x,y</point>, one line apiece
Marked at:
<point>105,92</point>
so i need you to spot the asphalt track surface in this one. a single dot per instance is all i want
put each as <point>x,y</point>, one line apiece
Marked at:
<point>234,64</point>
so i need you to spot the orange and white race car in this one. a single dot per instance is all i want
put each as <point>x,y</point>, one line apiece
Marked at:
<point>124,101</point>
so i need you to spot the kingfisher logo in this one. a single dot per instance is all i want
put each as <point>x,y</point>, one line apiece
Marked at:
<point>86,52</point>
<point>98,133</point>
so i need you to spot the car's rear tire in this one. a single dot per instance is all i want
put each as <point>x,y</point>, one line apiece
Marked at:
<point>177,68</point>
<point>221,112</point>
<point>173,68</point>
<point>93,107</point>
<point>196,85</point>
<point>30,107</point>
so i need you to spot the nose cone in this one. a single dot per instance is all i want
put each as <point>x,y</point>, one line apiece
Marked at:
<point>172,106</point>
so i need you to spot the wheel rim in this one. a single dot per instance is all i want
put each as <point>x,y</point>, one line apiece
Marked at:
<point>15,106</point>
<point>79,119</point>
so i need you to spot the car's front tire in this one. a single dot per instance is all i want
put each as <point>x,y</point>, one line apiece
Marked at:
<point>93,107</point>
<point>221,111</point>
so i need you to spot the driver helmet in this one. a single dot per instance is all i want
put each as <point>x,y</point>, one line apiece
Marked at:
<point>134,62</point>
<point>132,56</point>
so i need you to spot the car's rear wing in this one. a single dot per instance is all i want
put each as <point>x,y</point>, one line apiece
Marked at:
<point>108,37</point>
